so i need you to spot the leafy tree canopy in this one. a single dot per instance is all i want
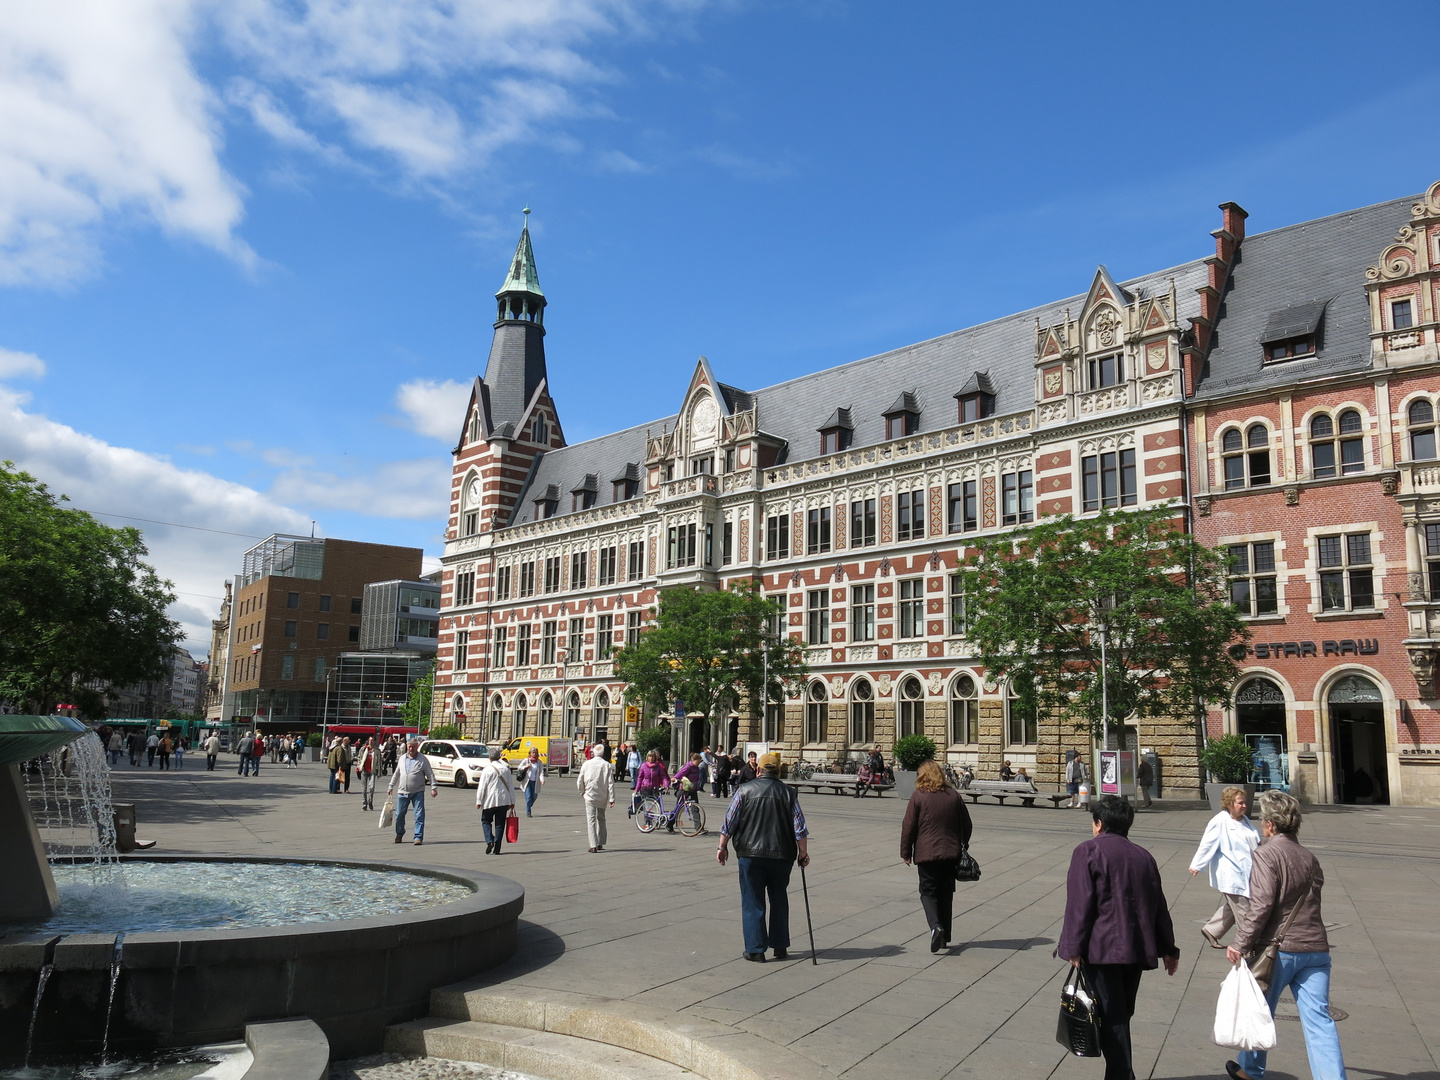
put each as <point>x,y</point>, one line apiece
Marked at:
<point>79,608</point>
<point>1039,603</point>
<point>416,710</point>
<point>707,649</point>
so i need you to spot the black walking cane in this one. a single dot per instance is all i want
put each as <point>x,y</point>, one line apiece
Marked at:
<point>808,924</point>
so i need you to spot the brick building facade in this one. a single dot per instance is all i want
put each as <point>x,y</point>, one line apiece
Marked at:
<point>849,494</point>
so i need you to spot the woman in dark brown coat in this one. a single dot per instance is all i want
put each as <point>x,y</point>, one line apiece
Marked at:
<point>936,827</point>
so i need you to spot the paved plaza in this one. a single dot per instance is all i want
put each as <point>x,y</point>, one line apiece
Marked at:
<point>654,921</point>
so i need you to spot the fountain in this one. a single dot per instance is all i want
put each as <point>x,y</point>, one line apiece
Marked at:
<point>105,955</point>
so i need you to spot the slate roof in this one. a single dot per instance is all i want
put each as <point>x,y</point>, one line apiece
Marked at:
<point>1296,267</point>
<point>935,370</point>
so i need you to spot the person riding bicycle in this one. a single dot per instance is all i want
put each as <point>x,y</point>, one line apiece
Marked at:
<point>650,779</point>
<point>687,783</point>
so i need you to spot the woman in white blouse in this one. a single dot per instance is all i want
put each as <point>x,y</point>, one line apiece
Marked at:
<point>1226,848</point>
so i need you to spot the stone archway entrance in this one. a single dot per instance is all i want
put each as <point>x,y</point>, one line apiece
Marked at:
<point>1357,719</point>
<point>1260,717</point>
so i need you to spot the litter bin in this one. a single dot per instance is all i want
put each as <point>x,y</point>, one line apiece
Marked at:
<point>124,827</point>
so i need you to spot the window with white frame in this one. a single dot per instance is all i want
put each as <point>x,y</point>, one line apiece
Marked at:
<point>462,649</point>
<point>465,587</point>
<point>910,717</point>
<point>862,713</point>
<point>817,616</point>
<point>517,722</point>
<point>497,654</point>
<point>862,613</point>
<point>1402,314</point>
<point>1017,497</point>
<point>817,531</point>
<point>579,569</point>
<point>1432,560</point>
<point>605,575</point>
<point>547,642</point>
<point>1022,725</point>
<point>602,711</point>
<point>1421,415</point>
<point>1253,587</point>
<point>633,621</point>
<point>1332,456</point>
<point>497,711</point>
<point>575,641</point>
<point>635,563</point>
<point>527,580</point>
<point>775,717</point>
<point>1347,578</point>
<point>502,584</point>
<point>547,713</point>
<point>817,712</point>
<point>862,522</point>
<point>964,711</point>
<point>522,646</point>
<point>777,536</point>
<point>959,619</point>
<point>910,515</point>
<point>605,637</point>
<point>910,608</point>
<point>552,574</point>
<point>1106,370</point>
<point>1108,479</point>
<point>572,715</point>
<point>1246,457</point>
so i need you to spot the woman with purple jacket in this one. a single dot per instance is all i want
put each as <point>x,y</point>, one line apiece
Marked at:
<point>652,777</point>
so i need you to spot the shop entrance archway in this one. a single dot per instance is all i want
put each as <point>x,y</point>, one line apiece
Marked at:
<point>1357,719</point>
<point>1260,718</point>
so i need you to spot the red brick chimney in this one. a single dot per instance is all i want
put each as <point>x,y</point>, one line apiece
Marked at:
<point>1227,244</point>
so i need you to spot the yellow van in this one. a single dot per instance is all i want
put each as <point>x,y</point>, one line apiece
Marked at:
<point>554,751</point>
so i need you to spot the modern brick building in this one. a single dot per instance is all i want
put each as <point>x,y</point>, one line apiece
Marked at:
<point>850,495</point>
<point>296,608</point>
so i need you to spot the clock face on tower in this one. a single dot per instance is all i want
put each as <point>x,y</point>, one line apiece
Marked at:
<point>472,493</point>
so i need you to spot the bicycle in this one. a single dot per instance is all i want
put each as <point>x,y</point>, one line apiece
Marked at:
<point>687,814</point>
<point>803,770</point>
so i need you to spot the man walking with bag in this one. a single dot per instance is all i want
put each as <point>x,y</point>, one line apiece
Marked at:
<point>1116,924</point>
<point>597,787</point>
<point>770,836</point>
<point>412,777</point>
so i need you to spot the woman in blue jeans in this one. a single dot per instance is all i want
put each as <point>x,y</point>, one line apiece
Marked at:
<point>1285,885</point>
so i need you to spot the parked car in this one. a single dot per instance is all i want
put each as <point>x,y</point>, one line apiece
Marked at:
<point>454,761</point>
<point>554,752</point>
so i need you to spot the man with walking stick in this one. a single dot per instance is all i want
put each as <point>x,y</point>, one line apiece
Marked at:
<point>768,829</point>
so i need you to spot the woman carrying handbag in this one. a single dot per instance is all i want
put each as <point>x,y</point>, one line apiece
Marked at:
<point>1282,933</point>
<point>934,836</point>
<point>495,799</point>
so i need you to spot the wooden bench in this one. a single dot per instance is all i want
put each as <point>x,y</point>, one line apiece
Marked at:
<point>839,783</point>
<point>1000,790</point>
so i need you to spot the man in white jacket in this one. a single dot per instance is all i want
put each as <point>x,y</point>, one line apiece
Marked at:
<point>494,796</point>
<point>597,787</point>
<point>1226,849</point>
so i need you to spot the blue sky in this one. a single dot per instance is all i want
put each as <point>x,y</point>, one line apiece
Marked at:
<point>247,249</point>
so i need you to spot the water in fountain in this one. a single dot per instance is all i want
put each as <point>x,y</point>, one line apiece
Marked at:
<point>110,1001</point>
<point>69,791</point>
<point>35,1010</point>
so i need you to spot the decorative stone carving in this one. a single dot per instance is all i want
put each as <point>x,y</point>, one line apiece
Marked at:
<point>909,650</point>
<point>1054,411</point>
<point>862,653</point>
<point>796,580</point>
<point>1106,326</point>
<point>837,686</point>
<point>1259,692</point>
<point>1389,484</point>
<point>1358,690</point>
<point>937,684</point>
<point>1203,505</point>
<point>1422,666</point>
<point>882,685</point>
<point>817,656</point>
<point>1292,494</point>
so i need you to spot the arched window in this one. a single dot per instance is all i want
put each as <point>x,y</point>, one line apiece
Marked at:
<point>911,720</point>
<point>862,713</point>
<point>1331,457</point>
<point>775,716</point>
<point>547,711</point>
<point>457,711</point>
<point>572,714</point>
<point>817,713</point>
<point>1022,725</point>
<point>497,708</point>
<point>517,728</point>
<point>1247,460</point>
<point>602,713</point>
<point>470,513</point>
<point>964,711</point>
<point>1422,431</point>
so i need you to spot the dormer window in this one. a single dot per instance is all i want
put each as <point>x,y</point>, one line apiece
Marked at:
<point>626,483</point>
<point>548,502</point>
<point>702,466</point>
<point>836,432</point>
<point>903,417</point>
<point>1106,371</point>
<point>1402,315</point>
<point>1293,333</point>
<point>976,398</point>
<point>582,495</point>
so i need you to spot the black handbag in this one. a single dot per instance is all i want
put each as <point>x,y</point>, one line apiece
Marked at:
<point>1079,1027</point>
<point>967,869</point>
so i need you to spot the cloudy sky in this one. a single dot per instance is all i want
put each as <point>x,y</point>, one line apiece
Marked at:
<point>247,248</point>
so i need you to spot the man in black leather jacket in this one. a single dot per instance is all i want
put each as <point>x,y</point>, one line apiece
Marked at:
<point>768,829</point>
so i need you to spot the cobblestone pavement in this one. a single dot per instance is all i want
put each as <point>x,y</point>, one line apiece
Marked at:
<point>655,921</point>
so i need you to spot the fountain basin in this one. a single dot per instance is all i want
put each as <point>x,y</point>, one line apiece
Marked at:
<point>183,988</point>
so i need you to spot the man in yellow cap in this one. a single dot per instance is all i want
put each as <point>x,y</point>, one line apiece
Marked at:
<point>769,833</point>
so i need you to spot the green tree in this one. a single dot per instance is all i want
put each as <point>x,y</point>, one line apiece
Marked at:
<point>79,608</point>
<point>710,648</point>
<point>1039,604</point>
<point>416,710</point>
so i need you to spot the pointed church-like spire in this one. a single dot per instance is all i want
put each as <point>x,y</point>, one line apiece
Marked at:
<point>520,297</point>
<point>517,352</point>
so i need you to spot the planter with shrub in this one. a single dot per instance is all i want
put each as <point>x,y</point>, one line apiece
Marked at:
<point>1227,760</point>
<point>909,752</point>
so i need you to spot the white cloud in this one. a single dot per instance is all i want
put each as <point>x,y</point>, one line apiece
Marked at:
<point>436,409</point>
<point>113,480</point>
<point>20,365</point>
<point>103,116</point>
<point>417,489</point>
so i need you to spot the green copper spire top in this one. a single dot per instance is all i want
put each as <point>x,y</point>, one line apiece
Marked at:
<point>522,277</point>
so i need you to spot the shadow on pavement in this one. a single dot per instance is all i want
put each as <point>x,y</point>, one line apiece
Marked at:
<point>859,954</point>
<point>1009,944</point>
<point>535,948</point>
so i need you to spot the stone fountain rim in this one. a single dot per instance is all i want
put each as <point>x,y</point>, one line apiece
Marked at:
<point>490,894</point>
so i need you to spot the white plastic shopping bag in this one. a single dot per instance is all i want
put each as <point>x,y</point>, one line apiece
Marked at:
<point>1242,1015</point>
<point>387,814</point>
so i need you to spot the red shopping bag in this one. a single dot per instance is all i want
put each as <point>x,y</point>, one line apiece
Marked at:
<point>512,828</point>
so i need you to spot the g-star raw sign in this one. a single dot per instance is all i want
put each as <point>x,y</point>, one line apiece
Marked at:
<point>1280,650</point>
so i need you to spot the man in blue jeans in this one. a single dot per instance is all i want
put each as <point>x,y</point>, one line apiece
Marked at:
<point>770,836</point>
<point>412,777</point>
